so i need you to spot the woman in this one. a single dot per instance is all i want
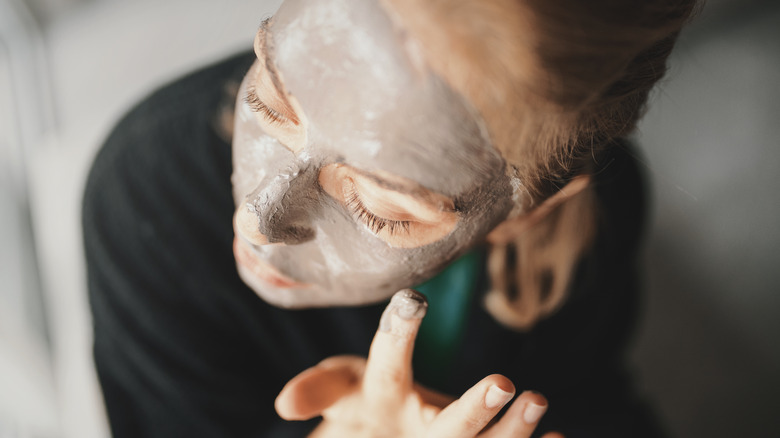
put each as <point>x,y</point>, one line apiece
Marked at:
<point>375,143</point>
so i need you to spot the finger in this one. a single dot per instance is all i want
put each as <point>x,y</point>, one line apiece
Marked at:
<point>521,418</point>
<point>469,414</point>
<point>316,389</point>
<point>432,397</point>
<point>553,435</point>
<point>389,367</point>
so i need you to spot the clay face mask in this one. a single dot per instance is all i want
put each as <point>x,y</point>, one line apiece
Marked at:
<point>357,171</point>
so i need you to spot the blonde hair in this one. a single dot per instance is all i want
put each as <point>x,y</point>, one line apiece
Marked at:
<point>556,81</point>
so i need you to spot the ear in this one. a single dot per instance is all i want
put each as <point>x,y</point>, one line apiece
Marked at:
<point>508,230</point>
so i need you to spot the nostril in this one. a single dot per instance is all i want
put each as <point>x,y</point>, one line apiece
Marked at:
<point>249,224</point>
<point>246,223</point>
<point>294,235</point>
<point>282,209</point>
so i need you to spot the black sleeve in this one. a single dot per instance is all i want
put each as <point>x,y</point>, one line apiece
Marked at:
<point>182,347</point>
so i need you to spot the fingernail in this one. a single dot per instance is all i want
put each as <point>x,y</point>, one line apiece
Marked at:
<point>406,304</point>
<point>533,413</point>
<point>497,397</point>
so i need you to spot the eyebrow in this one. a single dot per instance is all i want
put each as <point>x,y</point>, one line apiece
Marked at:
<point>267,50</point>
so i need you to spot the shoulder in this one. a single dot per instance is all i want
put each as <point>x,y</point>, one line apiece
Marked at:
<point>196,92</point>
<point>158,196</point>
<point>180,110</point>
<point>172,126</point>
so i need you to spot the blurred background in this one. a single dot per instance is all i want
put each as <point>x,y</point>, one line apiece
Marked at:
<point>707,352</point>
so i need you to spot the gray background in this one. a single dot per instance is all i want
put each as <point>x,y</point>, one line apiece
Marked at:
<point>709,349</point>
<point>706,352</point>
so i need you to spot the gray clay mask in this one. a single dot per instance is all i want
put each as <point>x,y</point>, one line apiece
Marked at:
<point>369,174</point>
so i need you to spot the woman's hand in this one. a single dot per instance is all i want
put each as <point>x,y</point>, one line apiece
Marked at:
<point>377,397</point>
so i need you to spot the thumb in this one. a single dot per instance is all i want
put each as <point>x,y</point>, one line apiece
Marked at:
<point>316,389</point>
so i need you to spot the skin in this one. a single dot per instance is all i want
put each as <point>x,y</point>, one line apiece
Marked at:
<point>368,174</point>
<point>377,397</point>
<point>344,116</point>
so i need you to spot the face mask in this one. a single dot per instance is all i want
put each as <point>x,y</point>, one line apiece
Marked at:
<point>364,171</point>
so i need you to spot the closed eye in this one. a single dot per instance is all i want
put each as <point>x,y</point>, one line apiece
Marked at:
<point>408,218</point>
<point>372,221</point>
<point>258,106</point>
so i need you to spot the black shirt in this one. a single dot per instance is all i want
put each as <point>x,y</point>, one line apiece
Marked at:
<point>184,349</point>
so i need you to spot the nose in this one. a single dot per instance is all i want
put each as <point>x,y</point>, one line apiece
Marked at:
<point>281,210</point>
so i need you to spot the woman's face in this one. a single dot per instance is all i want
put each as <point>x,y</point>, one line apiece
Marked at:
<point>357,170</point>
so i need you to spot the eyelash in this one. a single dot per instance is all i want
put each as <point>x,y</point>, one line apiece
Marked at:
<point>258,106</point>
<point>372,221</point>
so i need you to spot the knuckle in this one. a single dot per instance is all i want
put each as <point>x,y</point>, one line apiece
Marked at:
<point>475,418</point>
<point>391,375</point>
<point>472,423</point>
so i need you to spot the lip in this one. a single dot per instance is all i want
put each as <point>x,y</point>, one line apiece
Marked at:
<point>265,272</point>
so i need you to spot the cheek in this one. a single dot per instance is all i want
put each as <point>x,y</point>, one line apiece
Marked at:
<point>356,258</point>
<point>485,208</point>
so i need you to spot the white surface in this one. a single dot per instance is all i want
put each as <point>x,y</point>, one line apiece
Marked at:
<point>709,347</point>
<point>104,57</point>
<point>28,405</point>
<point>27,391</point>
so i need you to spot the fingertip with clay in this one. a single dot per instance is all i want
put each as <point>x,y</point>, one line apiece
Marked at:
<point>406,304</point>
<point>389,367</point>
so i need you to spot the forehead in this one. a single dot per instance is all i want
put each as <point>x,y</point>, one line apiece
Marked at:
<point>367,101</point>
